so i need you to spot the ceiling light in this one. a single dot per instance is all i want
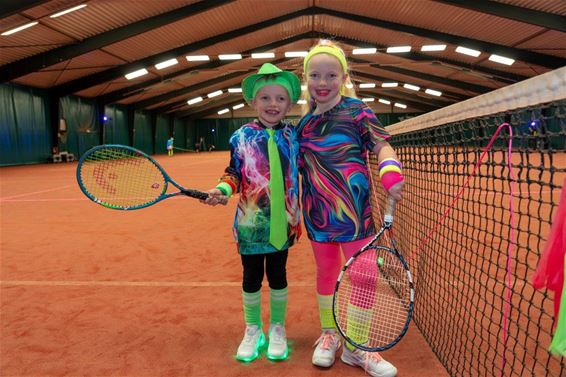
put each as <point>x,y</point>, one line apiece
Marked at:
<point>468,51</point>
<point>368,99</point>
<point>303,88</point>
<point>394,50</point>
<point>68,11</point>
<point>411,86</point>
<point>194,100</point>
<point>296,54</point>
<point>197,58</point>
<point>384,101</point>
<point>349,86</point>
<point>214,94</point>
<point>401,105</point>
<point>223,111</point>
<point>234,90</point>
<point>263,55</point>
<point>302,102</point>
<point>367,85</point>
<point>364,51</point>
<point>238,106</point>
<point>229,56</point>
<point>20,28</point>
<point>166,63</point>
<point>433,48</point>
<point>433,92</point>
<point>389,85</point>
<point>501,59</point>
<point>138,73</point>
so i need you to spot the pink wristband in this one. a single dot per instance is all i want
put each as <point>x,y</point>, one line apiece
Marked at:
<point>391,178</point>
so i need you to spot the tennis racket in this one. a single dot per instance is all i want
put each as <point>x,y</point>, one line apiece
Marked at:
<point>374,296</point>
<point>124,178</point>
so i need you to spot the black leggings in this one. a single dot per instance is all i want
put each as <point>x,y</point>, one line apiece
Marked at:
<point>275,268</point>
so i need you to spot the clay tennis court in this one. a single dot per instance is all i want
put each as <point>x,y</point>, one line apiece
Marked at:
<point>89,291</point>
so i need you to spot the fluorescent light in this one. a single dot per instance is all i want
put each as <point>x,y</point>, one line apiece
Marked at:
<point>229,56</point>
<point>223,111</point>
<point>303,88</point>
<point>302,102</point>
<point>401,105</point>
<point>368,99</point>
<point>468,51</point>
<point>433,92</point>
<point>411,86</point>
<point>234,90</point>
<point>389,85</point>
<point>194,100</point>
<point>363,51</point>
<point>433,48</point>
<point>397,49</point>
<point>349,86</point>
<point>296,54</point>
<point>263,55</point>
<point>68,11</point>
<point>501,59</point>
<point>214,94</point>
<point>384,101</point>
<point>238,106</point>
<point>197,58</point>
<point>20,28</point>
<point>367,85</point>
<point>166,63</point>
<point>138,73</point>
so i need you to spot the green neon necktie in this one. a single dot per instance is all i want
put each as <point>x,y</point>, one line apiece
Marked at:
<point>278,224</point>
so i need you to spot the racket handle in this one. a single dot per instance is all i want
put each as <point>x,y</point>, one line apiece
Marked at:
<point>195,194</point>
<point>389,210</point>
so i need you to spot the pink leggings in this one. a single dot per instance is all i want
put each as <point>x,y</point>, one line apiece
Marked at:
<point>329,263</point>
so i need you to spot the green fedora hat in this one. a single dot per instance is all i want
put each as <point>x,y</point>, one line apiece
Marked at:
<point>269,74</point>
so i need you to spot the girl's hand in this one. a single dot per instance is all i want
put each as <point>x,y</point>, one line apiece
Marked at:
<point>396,191</point>
<point>215,197</point>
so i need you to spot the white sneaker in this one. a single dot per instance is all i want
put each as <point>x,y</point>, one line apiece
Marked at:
<point>371,362</point>
<point>251,344</point>
<point>277,349</point>
<point>326,347</point>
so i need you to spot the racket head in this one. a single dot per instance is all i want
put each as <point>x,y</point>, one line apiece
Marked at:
<point>121,177</point>
<point>374,299</point>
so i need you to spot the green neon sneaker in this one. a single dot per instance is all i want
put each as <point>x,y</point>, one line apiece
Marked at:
<point>277,349</point>
<point>251,345</point>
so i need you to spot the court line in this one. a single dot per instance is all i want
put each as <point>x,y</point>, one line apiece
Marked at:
<point>34,193</point>
<point>118,283</point>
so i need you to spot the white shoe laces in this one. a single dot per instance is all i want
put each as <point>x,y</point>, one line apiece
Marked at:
<point>327,340</point>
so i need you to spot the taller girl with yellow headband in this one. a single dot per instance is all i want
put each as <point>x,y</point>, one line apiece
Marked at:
<point>335,135</point>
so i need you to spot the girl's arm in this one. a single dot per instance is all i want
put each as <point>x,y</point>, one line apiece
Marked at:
<point>389,169</point>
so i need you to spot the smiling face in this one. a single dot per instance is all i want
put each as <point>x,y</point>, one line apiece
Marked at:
<point>325,78</point>
<point>272,104</point>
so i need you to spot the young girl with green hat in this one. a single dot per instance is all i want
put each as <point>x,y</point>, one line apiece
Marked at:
<point>263,170</point>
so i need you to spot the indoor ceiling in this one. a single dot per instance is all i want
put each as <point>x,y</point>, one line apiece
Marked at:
<point>89,51</point>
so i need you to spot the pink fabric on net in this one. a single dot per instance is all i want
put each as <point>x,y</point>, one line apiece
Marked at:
<point>550,269</point>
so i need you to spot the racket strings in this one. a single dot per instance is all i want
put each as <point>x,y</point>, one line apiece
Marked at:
<point>119,177</point>
<point>373,299</point>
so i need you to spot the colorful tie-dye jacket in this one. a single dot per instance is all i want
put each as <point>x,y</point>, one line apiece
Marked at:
<point>249,173</point>
<point>335,182</point>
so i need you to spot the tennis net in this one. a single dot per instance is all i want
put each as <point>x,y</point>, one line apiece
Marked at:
<point>460,263</point>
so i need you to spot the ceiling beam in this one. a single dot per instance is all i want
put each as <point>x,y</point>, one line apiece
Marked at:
<point>8,8</point>
<point>85,82</point>
<point>445,93</point>
<point>138,88</point>
<point>497,75</point>
<point>526,56</point>
<point>37,62</point>
<point>512,12</point>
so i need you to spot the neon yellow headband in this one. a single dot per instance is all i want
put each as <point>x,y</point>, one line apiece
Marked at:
<point>330,50</point>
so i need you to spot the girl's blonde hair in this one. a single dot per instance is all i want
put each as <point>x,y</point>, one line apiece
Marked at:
<point>326,47</point>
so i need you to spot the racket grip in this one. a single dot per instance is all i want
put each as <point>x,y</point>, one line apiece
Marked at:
<point>389,210</point>
<point>195,194</point>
